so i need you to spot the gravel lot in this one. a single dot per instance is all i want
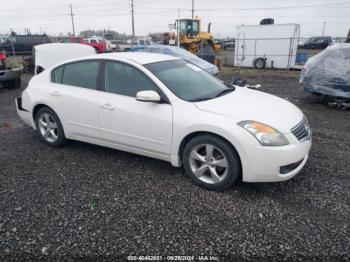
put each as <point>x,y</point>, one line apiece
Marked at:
<point>84,202</point>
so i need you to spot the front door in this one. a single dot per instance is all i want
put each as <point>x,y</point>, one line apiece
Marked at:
<point>145,127</point>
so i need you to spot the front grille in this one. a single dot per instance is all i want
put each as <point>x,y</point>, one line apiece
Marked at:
<point>302,130</point>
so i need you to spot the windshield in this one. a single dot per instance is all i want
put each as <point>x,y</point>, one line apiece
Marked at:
<point>187,81</point>
<point>189,27</point>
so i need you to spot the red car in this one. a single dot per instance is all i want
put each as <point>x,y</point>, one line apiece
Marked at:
<point>98,43</point>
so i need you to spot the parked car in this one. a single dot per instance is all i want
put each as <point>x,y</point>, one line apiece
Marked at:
<point>142,42</point>
<point>179,53</point>
<point>72,39</point>
<point>121,45</point>
<point>319,42</point>
<point>327,75</point>
<point>166,108</point>
<point>22,44</point>
<point>10,72</point>
<point>228,44</point>
<point>110,47</point>
<point>98,43</point>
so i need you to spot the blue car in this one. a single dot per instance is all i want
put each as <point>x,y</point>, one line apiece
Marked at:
<point>180,53</point>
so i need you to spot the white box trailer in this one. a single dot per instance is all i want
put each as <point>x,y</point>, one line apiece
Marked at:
<point>270,46</point>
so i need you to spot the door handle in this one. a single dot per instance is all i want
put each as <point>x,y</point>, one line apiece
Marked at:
<point>55,93</point>
<point>107,106</point>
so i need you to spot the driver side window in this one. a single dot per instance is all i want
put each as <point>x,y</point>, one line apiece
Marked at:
<point>123,79</point>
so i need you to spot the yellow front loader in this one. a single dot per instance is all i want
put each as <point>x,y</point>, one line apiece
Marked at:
<point>192,38</point>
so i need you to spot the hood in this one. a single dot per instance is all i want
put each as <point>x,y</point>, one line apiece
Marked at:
<point>246,104</point>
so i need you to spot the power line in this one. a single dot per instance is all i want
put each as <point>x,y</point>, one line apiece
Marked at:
<point>276,8</point>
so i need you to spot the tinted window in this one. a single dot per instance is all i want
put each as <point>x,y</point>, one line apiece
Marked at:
<point>56,75</point>
<point>126,80</point>
<point>67,40</point>
<point>82,74</point>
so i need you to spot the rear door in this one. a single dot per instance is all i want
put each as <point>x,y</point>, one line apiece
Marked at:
<point>75,98</point>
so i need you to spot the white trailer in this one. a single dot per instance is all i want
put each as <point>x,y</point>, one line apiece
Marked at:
<point>267,46</point>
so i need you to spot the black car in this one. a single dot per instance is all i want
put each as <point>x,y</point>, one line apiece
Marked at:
<point>318,42</point>
<point>227,44</point>
<point>22,44</point>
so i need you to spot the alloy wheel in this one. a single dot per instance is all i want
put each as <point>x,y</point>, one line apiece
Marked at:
<point>208,163</point>
<point>48,127</point>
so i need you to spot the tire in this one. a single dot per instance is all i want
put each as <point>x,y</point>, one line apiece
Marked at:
<point>215,171</point>
<point>336,102</point>
<point>260,63</point>
<point>54,135</point>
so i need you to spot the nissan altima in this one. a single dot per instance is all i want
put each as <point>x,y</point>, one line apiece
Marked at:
<point>167,108</point>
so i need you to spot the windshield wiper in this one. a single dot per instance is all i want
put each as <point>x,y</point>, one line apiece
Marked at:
<point>201,99</point>
<point>228,90</point>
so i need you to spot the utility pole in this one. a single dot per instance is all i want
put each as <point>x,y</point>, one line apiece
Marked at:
<point>132,19</point>
<point>192,9</point>
<point>178,28</point>
<point>324,27</point>
<point>71,15</point>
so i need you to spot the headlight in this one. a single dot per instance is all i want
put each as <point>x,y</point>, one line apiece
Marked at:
<point>266,135</point>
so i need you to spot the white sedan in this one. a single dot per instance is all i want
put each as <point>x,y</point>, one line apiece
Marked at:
<point>166,108</point>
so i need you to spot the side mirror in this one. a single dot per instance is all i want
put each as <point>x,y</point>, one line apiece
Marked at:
<point>148,96</point>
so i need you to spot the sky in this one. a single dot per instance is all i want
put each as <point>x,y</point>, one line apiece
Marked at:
<point>52,16</point>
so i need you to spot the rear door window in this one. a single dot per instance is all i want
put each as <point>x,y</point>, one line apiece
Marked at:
<point>81,74</point>
<point>56,75</point>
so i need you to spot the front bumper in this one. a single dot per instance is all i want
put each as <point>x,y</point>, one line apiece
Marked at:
<point>273,164</point>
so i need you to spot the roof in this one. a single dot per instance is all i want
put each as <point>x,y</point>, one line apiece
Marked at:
<point>138,57</point>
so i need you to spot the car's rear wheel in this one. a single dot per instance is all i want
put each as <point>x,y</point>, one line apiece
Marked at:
<point>49,127</point>
<point>211,162</point>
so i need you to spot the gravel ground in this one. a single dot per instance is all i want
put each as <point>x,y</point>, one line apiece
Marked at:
<point>84,202</point>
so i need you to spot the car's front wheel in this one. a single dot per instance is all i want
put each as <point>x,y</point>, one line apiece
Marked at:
<point>49,127</point>
<point>211,162</point>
